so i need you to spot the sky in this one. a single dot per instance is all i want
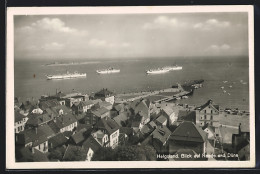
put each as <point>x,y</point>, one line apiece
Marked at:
<point>130,35</point>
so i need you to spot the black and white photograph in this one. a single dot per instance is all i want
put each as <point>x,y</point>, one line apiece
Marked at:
<point>130,87</point>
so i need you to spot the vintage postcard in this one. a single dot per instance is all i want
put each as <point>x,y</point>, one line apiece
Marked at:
<point>130,87</point>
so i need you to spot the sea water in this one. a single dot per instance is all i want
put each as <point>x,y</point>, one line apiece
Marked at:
<point>30,78</point>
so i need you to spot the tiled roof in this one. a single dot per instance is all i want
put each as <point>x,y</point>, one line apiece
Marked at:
<point>90,142</point>
<point>54,127</point>
<point>18,116</point>
<point>65,109</point>
<point>51,112</point>
<point>65,120</point>
<point>120,118</point>
<point>79,136</point>
<point>168,110</point>
<point>86,103</point>
<point>57,140</point>
<point>96,101</point>
<point>47,130</point>
<point>119,107</point>
<point>67,134</point>
<point>152,124</point>
<point>161,119</point>
<point>108,124</point>
<point>187,116</point>
<point>104,104</point>
<point>38,119</point>
<point>126,130</point>
<point>49,103</point>
<point>209,102</point>
<point>162,133</point>
<point>145,129</point>
<point>71,95</point>
<point>188,131</point>
<point>99,112</point>
<point>136,121</point>
<point>28,105</point>
<point>32,135</point>
<point>142,109</point>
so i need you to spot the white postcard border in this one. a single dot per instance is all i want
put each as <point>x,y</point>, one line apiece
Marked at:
<point>10,147</point>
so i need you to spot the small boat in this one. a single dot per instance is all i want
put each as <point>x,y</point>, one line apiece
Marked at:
<point>222,87</point>
<point>229,94</point>
<point>108,71</point>
<point>230,86</point>
<point>224,91</point>
<point>185,97</point>
<point>225,81</point>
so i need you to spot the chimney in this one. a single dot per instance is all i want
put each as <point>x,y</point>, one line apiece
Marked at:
<point>239,128</point>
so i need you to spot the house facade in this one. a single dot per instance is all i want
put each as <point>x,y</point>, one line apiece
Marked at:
<point>207,114</point>
<point>105,95</point>
<point>19,122</point>
<point>34,139</point>
<point>110,127</point>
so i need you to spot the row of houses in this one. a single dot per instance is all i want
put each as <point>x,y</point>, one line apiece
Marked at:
<point>76,121</point>
<point>52,122</point>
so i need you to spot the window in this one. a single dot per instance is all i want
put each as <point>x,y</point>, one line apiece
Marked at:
<point>211,117</point>
<point>205,111</point>
<point>205,117</point>
<point>211,112</point>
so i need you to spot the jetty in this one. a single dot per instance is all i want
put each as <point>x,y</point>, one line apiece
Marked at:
<point>164,95</point>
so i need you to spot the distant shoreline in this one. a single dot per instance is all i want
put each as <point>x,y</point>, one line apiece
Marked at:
<point>71,63</point>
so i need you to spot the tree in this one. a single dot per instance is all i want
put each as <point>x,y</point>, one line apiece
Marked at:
<point>150,153</point>
<point>75,153</point>
<point>104,154</point>
<point>130,153</point>
<point>136,153</point>
<point>57,154</point>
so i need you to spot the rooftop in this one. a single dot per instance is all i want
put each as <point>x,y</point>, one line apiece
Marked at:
<point>57,140</point>
<point>65,120</point>
<point>187,116</point>
<point>188,131</point>
<point>38,119</point>
<point>36,136</point>
<point>79,136</point>
<point>161,119</point>
<point>122,117</point>
<point>99,112</point>
<point>18,116</point>
<point>90,142</point>
<point>208,103</point>
<point>108,124</point>
<point>49,103</point>
<point>162,133</point>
